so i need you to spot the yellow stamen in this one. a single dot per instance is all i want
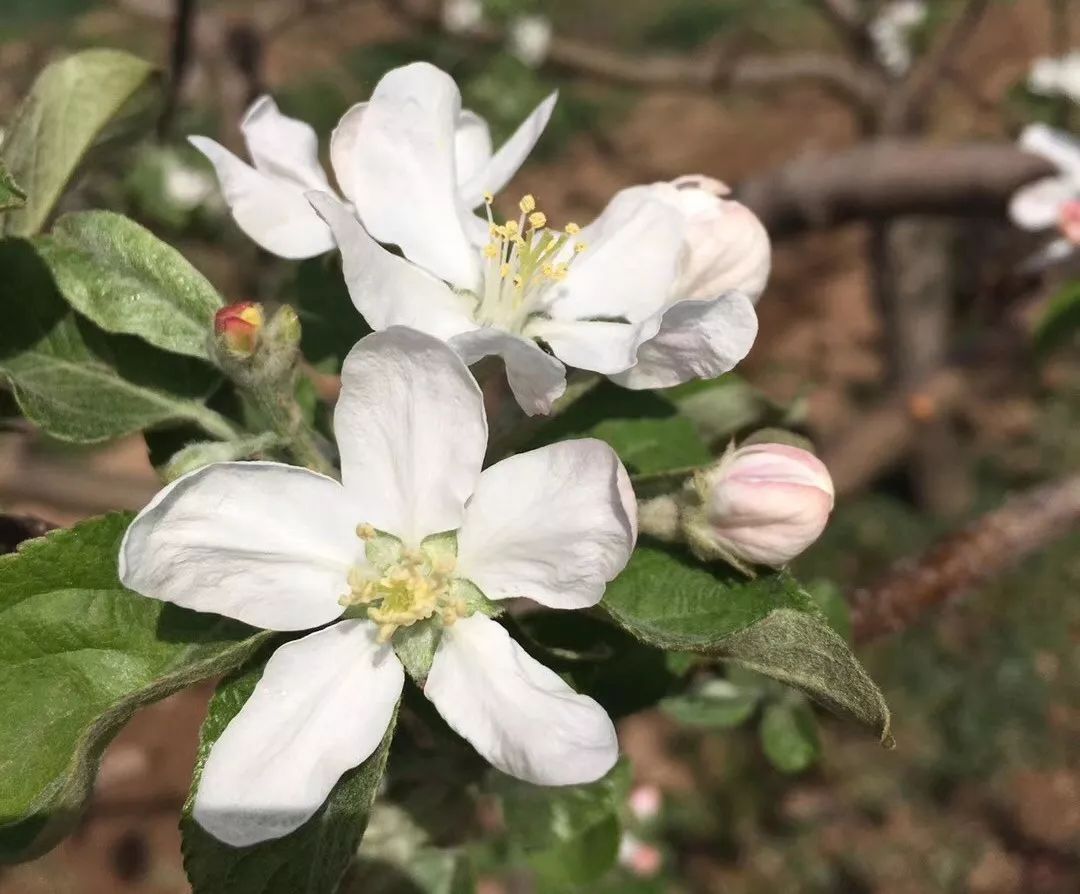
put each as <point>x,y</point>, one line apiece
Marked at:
<point>527,204</point>
<point>572,229</point>
<point>538,220</point>
<point>488,198</point>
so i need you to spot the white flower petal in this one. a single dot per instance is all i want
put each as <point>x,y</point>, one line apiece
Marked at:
<point>511,156</point>
<point>697,340</point>
<point>1037,206</point>
<point>412,433</point>
<point>631,265</point>
<point>283,147</point>
<point>1056,146</point>
<point>536,378</point>
<point>386,289</point>
<point>551,525</point>
<point>322,707</point>
<point>394,160</point>
<point>271,211</point>
<point>472,146</point>
<point>517,713</point>
<point>595,344</point>
<point>265,543</point>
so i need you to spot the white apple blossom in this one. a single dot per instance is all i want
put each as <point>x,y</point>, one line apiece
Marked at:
<point>1056,77</point>
<point>891,30</point>
<point>266,198</point>
<point>1052,202</point>
<point>462,16</point>
<point>657,290</point>
<point>287,549</point>
<point>530,39</point>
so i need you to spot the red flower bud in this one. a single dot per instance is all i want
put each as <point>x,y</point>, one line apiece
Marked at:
<point>238,326</point>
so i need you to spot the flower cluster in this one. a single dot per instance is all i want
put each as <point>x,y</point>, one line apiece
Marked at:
<point>403,567</point>
<point>1052,203</point>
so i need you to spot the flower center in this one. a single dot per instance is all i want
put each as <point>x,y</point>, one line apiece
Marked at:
<point>401,586</point>
<point>523,258</point>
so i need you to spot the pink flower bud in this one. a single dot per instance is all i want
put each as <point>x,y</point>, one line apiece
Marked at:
<point>238,327</point>
<point>645,802</point>
<point>766,503</point>
<point>726,246</point>
<point>643,860</point>
<point>1069,221</point>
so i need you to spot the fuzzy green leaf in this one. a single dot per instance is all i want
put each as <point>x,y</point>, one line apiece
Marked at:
<point>77,382</point>
<point>127,281</point>
<point>570,833</point>
<point>311,860</point>
<point>69,106</point>
<point>789,736</point>
<point>767,624</point>
<point>78,655</point>
<point>715,704</point>
<point>11,194</point>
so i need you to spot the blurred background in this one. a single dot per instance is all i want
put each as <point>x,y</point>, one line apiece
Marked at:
<point>905,331</point>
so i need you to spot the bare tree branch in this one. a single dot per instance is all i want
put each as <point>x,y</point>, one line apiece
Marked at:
<point>988,547</point>
<point>890,178</point>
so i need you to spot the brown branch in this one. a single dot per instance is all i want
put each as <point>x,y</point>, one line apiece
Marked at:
<point>850,25</point>
<point>985,549</point>
<point>890,178</point>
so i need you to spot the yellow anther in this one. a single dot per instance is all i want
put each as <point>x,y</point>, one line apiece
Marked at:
<point>385,632</point>
<point>518,281</point>
<point>488,198</point>
<point>527,204</point>
<point>491,250</point>
<point>504,270</point>
<point>365,531</point>
<point>511,227</point>
<point>579,247</point>
<point>572,229</point>
<point>538,220</point>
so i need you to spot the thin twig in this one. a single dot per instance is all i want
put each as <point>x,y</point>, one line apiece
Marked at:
<point>985,549</point>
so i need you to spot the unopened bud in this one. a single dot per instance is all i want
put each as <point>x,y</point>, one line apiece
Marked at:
<point>238,327</point>
<point>726,248</point>
<point>1069,221</point>
<point>762,504</point>
<point>645,802</point>
<point>283,330</point>
<point>640,858</point>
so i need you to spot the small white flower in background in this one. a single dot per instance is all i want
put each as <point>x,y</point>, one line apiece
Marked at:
<point>462,16</point>
<point>286,549</point>
<point>187,188</point>
<point>657,290</point>
<point>891,31</point>
<point>763,504</point>
<point>1056,77</point>
<point>645,802</point>
<point>1052,202</point>
<point>640,858</point>
<point>530,39</point>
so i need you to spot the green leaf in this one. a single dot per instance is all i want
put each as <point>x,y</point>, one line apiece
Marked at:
<point>722,408</point>
<point>127,281</point>
<point>65,112</point>
<point>567,832</point>
<point>80,384</point>
<point>644,428</point>
<point>11,195</point>
<point>311,860</point>
<point>715,704</point>
<point>789,736</point>
<point>767,623</point>
<point>78,655</point>
<point>1061,320</point>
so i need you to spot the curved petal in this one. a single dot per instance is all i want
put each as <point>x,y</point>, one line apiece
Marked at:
<point>1056,146</point>
<point>272,212</point>
<point>536,378</point>
<point>511,156</point>
<point>386,289</point>
<point>697,340</point>
<point>265,543</point>
<point>472,146</point>
<point>412,433</point>
<point>631,265</point>
<point>322,707</point>
<point>283,147</point>
<point>517,713</point>
<point>551,525</point>
<point>595,344</point>
<point>1037,206</point>
<point>726,247</point>
<point>394,160</point>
